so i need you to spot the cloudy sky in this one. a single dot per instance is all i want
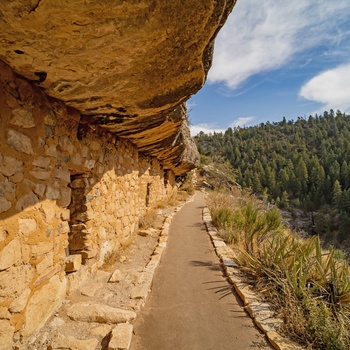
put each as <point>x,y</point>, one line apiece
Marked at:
<point>276,58</point>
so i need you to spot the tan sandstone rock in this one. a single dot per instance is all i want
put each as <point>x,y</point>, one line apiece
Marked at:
<point>73,262</point>
<point>67,342</point>
<point>127,67</point>
<point>121,337</point>
<point>6,334</point>
<point>42,303</point>
<point>10,254</point>
<point>92,312</point>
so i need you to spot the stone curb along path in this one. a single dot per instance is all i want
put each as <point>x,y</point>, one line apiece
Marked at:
<point>103,322</point>
<point>259,311</point>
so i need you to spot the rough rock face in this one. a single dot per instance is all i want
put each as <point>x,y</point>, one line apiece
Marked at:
<point>127,65</point>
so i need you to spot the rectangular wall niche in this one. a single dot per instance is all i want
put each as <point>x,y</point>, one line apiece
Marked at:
<point>79,233</point>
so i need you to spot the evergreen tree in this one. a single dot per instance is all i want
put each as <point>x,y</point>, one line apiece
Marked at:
<point>336,193</point>
<point>303,163</point>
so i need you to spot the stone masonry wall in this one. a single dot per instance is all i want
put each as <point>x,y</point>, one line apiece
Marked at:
<point>64,201</point>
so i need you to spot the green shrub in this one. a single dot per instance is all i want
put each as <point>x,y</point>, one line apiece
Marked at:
<point>309,285</point>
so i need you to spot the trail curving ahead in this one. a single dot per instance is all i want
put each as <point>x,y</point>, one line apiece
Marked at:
<point>192,306</point>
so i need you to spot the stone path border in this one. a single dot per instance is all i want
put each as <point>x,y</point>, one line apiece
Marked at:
<point>259,311</point>
<point>111,325</point>
<point>124,338</point>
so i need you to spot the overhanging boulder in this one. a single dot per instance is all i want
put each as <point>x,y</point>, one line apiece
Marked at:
<point>127,65</point>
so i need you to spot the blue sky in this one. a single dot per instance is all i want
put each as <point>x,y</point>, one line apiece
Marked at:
<point>276,58</point>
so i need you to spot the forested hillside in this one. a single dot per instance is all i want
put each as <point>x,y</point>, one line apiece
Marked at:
<point>296,164</point>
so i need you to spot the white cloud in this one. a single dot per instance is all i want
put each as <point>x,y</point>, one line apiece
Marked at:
<point>331,88</point>
<point>243,121</point>
<point>190,105</point>
<point>211,128</point>
<point>263,35</point>
<point>206,128</point>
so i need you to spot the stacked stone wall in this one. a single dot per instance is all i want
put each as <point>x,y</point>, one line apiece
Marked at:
<point>66,202</point>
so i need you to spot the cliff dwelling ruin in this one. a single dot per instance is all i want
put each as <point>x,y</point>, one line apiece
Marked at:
<point>93,131</point>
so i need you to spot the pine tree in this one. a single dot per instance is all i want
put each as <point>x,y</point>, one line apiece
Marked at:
<point>336,193</point>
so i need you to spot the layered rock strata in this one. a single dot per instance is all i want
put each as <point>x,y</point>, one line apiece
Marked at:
<point>126,64</point>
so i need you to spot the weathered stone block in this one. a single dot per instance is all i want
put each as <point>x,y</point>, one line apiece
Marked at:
<point>19,141</point>
<point>10,166</point>
<point>78,183</point>
<point>48,274</point>
<point>14,281</point>
<point>20,302</point>
<point>88,254</point>
<point>73,262</point>
<point>51,151</point>
<point>50,119</point>
<point>41,162</point>
<point>26,201</point>
<point>41,249</point>
<point>101,330</point>
<point>6,335</point>
<point>26,226</point>
<point>62,174</point>
<point>40,190</point>
<point>281,343</point>
<point>63,227</point>
<point>10,255</point>
<point>45,263</point>
<point>4,204</point>
<point>76,243</point>
<point>65,214</point>
<point>66,144</point>
<point>16,178</point>
<point>62,342</point>
<point>52,193</point>
<point>121,337</point>
<point>77,159</point>
<point>90,289</point>
<point>22,117</point>
<point>116,276</point>
<point>4,313</point>
<point>42,303</point>
<point>40,174</point>
<point>140,292</point>
<point>89,163</point>
<point>65,197</point>
<point>92,312</point>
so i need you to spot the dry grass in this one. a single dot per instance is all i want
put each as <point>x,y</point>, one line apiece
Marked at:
<point>110,259</point>
<point>188,184</point>
<point>149,219</point>
<point>309,286</point>
<point>167,202</point>
<point>182,196</point>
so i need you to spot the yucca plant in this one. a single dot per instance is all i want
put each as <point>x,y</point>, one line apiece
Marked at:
<point>310,284</point>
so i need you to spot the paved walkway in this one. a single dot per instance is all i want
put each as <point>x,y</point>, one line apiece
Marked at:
<point>192,306</point>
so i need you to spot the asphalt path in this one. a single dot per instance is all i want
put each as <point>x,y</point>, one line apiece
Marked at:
<point>191,305</point>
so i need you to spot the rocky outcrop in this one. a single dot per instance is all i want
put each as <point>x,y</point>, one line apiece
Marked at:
<point>126,65</point>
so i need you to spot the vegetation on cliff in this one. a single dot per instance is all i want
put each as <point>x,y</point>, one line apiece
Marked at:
<point>302,164</point>
<point>308,286</point>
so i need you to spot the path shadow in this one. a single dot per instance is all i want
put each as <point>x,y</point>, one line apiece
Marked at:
<point>209,264</point>
<point>199,225</point>
<point>224,290</point>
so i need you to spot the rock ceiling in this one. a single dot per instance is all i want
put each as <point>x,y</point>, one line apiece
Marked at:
<point>125,65</point>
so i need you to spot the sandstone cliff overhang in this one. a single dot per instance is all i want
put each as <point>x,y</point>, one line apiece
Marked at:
<point>125,65</point>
